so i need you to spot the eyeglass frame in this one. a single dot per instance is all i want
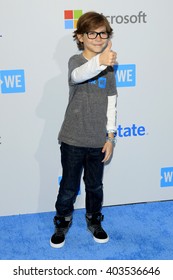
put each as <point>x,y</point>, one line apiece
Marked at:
<point>98,33</point>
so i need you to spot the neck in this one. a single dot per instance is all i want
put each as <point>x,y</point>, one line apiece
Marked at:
<point>88,55</point>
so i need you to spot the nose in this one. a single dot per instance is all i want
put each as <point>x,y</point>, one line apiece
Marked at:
<point>98,38</point>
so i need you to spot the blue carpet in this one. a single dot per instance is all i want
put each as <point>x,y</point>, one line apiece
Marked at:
<point>137,232</point>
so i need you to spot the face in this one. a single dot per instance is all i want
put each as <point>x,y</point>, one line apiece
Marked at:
<point>93,46</point>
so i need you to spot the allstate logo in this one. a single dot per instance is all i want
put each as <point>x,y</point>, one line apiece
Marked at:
<point>125,75</point>
<point>166,177</point>
<point>131,131</point>
<point>12,81</point>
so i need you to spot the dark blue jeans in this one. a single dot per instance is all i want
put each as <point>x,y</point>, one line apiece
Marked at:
<point>74,160</point>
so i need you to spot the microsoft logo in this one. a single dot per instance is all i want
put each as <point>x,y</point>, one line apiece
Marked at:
<point>71,17</point>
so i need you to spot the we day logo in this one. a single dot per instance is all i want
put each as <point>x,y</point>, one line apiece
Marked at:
<point>125,75</point>
<point>12,81</point>
<point>166,177</point>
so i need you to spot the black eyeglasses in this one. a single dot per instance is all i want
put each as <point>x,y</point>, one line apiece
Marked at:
<point>93,35</point>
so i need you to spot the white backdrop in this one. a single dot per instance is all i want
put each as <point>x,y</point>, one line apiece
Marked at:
<point>35,45</point>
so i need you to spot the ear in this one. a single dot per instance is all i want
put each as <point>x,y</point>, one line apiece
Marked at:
<point>80,37</point>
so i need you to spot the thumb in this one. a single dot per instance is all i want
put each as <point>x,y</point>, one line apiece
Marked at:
<point>108,47</point>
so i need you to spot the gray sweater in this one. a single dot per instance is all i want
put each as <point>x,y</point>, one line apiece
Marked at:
<point>85,119</point>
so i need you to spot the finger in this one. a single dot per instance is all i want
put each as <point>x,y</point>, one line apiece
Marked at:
<point>109,46</point>
<point>114,55</point>
<point>106,158</point>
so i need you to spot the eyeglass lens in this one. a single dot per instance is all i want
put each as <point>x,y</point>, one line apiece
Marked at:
<point>93,35</point>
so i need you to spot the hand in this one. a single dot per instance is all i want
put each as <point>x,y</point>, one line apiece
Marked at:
<point>107,149</point>
<point>108,57</point>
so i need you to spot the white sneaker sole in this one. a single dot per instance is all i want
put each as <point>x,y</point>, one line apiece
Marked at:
<point>101,240</point>
<point>57,246</point>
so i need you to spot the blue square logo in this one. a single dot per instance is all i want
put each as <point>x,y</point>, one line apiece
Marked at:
<point>125,75</point>
<point>68,24</point>
<point>102,82</point>
<point>167,177</point>
<point>12,81</point>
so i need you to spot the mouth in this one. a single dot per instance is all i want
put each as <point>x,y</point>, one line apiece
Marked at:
<point>98,45</point>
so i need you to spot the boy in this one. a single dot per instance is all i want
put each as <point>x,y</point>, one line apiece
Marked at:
<point>90,117</point>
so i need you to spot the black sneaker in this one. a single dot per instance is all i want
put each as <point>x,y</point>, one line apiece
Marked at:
<point>61,227</point>
<point>94,225</point>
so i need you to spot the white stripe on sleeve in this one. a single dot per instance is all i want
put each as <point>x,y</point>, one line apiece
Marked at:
<point>111,113</point>
<point>87,71</point>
